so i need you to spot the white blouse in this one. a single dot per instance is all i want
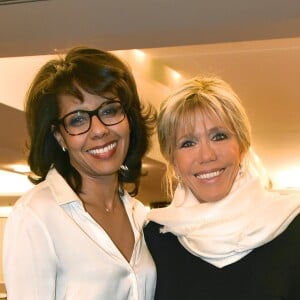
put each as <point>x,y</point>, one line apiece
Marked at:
<point>53,249</point>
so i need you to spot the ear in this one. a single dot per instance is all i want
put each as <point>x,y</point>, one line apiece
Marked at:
<point>57,135</point>
<point>242,155</point>
<point>174,166</point>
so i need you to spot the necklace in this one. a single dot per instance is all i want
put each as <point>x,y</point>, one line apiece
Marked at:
<point>104,208</point>
<point>110,209</point>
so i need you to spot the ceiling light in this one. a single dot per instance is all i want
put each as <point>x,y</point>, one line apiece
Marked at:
<point>5,211</point>
<point>287,179</point>
<point>9,2</point>
<point>139,55</point>
<point>13,183</point>
<point>20,168</point>
<point>176,75</point>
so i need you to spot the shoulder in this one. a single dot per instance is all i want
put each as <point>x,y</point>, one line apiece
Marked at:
<point>154,235</point>
<point>27,212</point>
<point>45,190</point>
<point>53,191</point>
<point>40,199</point>
<point>286,245</point>
<point>152,228</point>
<point>292,232</point>
<point>29,205</point>
<point>296,222</point>
<point>136,208</point>
<point>31,198</point>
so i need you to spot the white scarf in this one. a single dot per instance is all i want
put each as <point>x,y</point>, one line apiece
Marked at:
<point>225,231</point>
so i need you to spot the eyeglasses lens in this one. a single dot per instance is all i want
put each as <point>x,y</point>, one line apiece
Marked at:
<point>109,113</point>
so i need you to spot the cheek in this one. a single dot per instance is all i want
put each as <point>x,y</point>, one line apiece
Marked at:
<point>181,162</point>
<point>125,130</point>
<point>123,126</point>
<point>230,152</point>
<point>75,143</point>
<point>234,157</point>
<point>237,154</point>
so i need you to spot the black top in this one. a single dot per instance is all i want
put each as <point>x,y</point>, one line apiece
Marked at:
<point>271,271</point>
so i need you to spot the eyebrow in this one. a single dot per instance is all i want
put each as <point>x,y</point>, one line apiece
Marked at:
<point>190,134</point>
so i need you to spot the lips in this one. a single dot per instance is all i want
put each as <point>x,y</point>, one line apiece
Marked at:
<point>210,175</point>
<point>103,150</point>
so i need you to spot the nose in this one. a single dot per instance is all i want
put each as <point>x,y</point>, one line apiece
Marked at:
<point>97,127</point>
<point>206,152</point>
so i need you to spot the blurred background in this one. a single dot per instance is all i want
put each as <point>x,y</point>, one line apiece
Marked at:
<point>254,45</point>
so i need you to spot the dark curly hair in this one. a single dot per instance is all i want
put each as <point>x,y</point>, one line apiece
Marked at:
<point>96,72</point>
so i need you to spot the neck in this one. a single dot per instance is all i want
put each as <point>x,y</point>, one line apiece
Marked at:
<point>103,195</point>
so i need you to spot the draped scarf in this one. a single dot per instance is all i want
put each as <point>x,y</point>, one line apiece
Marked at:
<point>225,231</point>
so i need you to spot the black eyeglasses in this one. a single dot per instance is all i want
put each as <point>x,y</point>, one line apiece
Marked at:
<point>78,122</point>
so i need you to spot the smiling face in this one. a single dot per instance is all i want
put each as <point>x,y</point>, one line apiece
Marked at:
<point>206,156</point>
<point>101,150</point>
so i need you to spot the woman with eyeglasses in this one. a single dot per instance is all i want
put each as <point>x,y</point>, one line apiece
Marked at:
<point>78,233</point>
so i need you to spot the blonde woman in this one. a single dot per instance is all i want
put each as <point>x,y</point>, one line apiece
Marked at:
<point>224,235</point>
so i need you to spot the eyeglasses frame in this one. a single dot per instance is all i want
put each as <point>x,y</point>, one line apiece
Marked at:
<point>91,113</point>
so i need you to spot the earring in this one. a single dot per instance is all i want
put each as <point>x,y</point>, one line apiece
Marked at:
<point>179,179</point>
<point>63,149</point>
<point>124,168</point>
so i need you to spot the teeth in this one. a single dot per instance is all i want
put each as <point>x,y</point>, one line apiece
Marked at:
<point>103,150</point>
<point>209,175</point>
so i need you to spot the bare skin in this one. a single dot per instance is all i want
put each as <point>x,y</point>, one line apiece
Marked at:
<point>115,222</point>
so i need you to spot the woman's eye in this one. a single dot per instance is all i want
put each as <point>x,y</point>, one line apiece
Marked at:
<point>187,144</point>
<point>220,136</point>
<point>111,110</point>
<point>77,120</point>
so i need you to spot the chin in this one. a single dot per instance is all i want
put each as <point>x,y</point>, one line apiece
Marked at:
<point>212,198</point>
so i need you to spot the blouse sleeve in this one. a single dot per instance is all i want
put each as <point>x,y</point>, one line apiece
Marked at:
<point>29,261</point>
